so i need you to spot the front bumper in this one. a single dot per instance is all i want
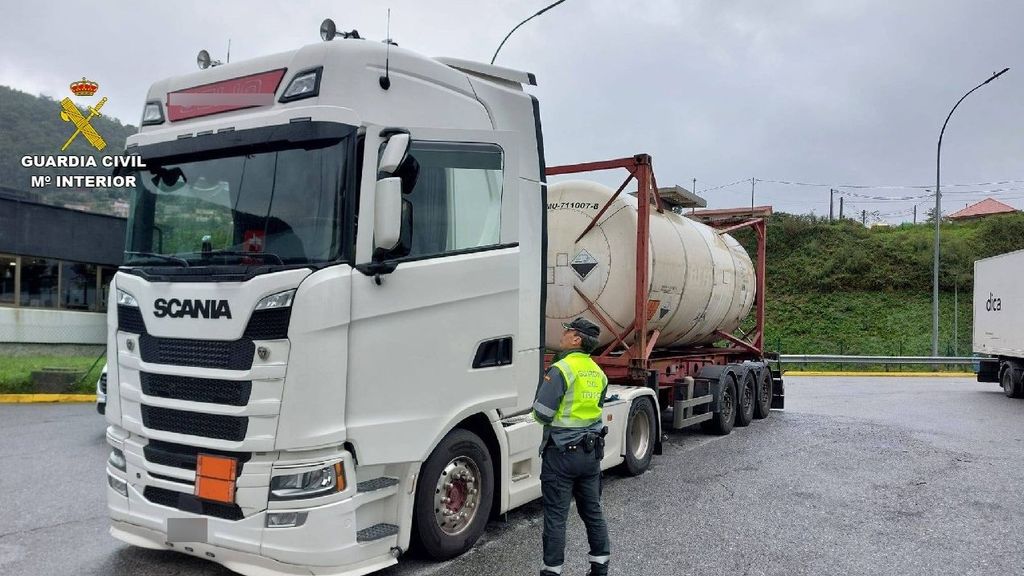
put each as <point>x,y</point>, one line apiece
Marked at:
<point>324,545</point>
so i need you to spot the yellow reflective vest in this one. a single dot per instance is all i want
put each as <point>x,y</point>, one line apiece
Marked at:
<point>585,385</point>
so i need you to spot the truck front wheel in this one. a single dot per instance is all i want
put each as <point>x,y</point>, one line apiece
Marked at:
<point>453,496</point>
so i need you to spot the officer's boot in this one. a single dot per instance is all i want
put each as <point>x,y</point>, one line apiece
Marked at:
<point>548,573</point>
<point>598,569</point>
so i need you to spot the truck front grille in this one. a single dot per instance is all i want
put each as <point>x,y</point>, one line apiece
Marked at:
<point>223,354</point>
<point>216,426</point>
<point>189,503</point>
<point>184,457</point>
<point>230,392</point>
<point>269,324</point>
<point>129,319</point>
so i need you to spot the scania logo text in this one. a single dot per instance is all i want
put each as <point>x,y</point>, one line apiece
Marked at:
<point>175,308</point>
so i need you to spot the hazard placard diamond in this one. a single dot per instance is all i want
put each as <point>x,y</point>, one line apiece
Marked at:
<point>583,264</point>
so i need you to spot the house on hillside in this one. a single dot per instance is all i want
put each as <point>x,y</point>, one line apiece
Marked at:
<point>986,207</point>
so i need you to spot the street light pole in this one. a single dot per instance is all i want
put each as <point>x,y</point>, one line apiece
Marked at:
<point>538,13</point>
<point>938,216</point>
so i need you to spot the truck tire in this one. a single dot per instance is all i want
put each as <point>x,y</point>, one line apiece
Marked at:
<point>1011,386</point>
<point>746,399</point>
<point>723,420</point>
<point>641,428</point>
<point>764,394</point>
<point>453,496</point>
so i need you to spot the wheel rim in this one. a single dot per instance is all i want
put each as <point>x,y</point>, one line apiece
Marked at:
<point>457,495</point>
<point>640,433</point>
<point>727,402</point>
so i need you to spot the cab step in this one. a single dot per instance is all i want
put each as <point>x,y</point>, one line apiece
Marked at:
<point>375,484</point>
<point>376,532</point>
<point>513,420</point>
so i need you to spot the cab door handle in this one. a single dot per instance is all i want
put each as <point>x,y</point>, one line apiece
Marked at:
<point>495,352</point>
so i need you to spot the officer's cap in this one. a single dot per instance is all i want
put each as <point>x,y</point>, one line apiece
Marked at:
<point>583,326</point>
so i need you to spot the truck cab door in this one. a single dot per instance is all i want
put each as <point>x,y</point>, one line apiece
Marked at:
<point>432,333</point>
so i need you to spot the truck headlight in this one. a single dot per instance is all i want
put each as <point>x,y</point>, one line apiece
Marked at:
<point>279,300</point>
<point>116,459</point>
<point>126,299</point>
<point>308,484</point>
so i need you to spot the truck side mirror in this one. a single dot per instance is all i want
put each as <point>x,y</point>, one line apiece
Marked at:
<point>394,153</point>
<point>387,213</point>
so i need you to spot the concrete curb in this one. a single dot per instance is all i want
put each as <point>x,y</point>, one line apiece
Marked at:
<point>884,374</point>
<point>46,398</point>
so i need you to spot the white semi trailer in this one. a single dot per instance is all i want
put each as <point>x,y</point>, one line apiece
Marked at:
<point>999,321</point>
<point>331,320</point>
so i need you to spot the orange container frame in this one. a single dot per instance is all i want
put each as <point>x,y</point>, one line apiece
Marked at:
<point>643,363</point>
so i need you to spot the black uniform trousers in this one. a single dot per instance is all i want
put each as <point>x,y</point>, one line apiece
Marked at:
<point>573,473</point>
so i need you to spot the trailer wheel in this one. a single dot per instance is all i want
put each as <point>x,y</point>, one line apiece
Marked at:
<point>746,399</point>
<point>1010,388</point>
<point>764,394</point>
<point>725,418</point>
<point>641,428</point>
<point>453,496</point>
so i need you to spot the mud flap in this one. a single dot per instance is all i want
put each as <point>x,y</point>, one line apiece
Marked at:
<point>778,391</point>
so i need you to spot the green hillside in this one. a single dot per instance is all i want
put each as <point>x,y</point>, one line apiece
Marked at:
<point>32,125</point>
<point>841,288</point>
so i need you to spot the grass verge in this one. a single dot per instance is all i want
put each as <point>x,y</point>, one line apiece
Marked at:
<point>16,373</point>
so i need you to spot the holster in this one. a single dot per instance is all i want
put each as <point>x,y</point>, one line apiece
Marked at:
<point>590,443</point>
<point>594,442</point>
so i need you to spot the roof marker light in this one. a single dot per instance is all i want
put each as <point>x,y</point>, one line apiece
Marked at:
<point>153,113</point>
<point>304,84</point>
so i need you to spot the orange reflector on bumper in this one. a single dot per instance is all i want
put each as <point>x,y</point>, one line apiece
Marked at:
<point>339,472</point>
<point>215,478</point>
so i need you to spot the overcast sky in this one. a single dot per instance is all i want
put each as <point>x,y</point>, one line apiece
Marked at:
<point>833,92</point>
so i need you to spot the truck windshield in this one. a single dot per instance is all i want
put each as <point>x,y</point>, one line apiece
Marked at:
<point>266,204</point>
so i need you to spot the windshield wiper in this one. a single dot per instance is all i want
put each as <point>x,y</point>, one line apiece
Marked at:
<point>264,255</point>
<point>174,259</point>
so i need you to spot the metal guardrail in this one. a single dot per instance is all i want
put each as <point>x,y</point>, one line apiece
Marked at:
<point>840,359</point>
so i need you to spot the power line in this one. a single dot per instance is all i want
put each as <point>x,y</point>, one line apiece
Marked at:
<point>884,187</point>
<point>740,181</point>
<point>995,192</point>
<point>884,198</point>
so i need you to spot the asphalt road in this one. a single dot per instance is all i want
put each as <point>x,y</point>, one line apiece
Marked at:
<point>908,476</point>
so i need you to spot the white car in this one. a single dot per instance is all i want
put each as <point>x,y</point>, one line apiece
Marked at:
<point>101,391</point>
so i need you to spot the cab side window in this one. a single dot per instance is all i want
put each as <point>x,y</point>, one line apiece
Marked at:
<point>456,200</point>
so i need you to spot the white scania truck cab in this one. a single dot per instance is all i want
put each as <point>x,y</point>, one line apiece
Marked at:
<point>329,324</point>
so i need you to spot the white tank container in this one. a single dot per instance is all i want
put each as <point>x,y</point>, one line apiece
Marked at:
<point>700,281</point>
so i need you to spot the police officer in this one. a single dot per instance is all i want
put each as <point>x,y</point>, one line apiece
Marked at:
<point>569,403</point>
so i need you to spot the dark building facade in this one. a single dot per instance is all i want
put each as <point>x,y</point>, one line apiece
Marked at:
<point>54,259</point>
